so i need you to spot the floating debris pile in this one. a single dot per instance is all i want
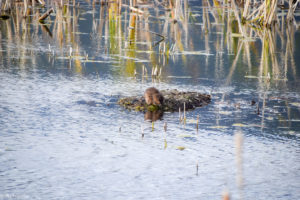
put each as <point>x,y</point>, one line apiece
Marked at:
<point>173,100</point>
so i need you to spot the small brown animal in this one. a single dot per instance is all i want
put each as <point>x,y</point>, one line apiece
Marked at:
<point>153,96</point>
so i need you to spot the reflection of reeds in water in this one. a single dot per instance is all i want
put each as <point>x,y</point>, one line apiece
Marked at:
<point>123,27</point>
<point>18,35</point>
<point>243,40</point>
<point>66,30</point>
<point>24,32</point>
<point>122,34</point>
<point>274,65</point>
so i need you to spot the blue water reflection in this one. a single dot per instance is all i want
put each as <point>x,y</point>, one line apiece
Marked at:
<point>63,136</point>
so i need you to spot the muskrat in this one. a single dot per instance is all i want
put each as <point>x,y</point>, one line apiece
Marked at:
<point>153,96</point>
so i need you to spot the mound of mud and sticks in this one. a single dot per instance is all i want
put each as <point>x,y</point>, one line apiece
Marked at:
<point>173,100</point>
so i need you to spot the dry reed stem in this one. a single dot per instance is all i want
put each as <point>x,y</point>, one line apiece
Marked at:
<point>235,10</point>
<point>233,66</point>
<point>25,8</point>
<point>184,116</point>
<point>179,114</point>
<point>257,11</point>
<point>197,125</point>
<point>212,11</point>
<point>42,2</point>
<point>246,9</point>
<point>272,12</point>
<point>136,10</point>
<point>238,138</point>
<point>292,8</point>
<point>46,14</point>
<point>225,195</point>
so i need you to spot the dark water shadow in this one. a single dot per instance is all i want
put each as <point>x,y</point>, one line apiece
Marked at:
<point>153,116</point>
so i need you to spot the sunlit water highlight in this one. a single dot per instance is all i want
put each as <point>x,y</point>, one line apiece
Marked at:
<point>62,135</point>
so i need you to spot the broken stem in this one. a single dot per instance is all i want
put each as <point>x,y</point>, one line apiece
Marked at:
<point>45,15</point>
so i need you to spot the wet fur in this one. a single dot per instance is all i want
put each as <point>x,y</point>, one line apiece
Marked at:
<point>153,96</point>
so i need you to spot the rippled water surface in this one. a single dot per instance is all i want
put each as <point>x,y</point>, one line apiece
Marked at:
<point>63,135</point>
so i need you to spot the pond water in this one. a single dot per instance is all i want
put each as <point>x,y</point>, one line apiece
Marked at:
<point>63,135</point>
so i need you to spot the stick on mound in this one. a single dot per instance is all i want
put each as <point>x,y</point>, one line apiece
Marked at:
<point>172,100</point>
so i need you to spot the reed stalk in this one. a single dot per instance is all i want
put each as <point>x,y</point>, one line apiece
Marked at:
<point>246,10</point>
<point>184,116</point>
<point>292,8</point>
<point>45,15</point>
<point>197,125</point>
<point>179,115</point>
<point>152,125</point>
<point>236,13</point>
<point>238,137</point>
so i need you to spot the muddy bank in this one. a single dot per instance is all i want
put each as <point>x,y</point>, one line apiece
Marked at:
<point>173,100</point>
